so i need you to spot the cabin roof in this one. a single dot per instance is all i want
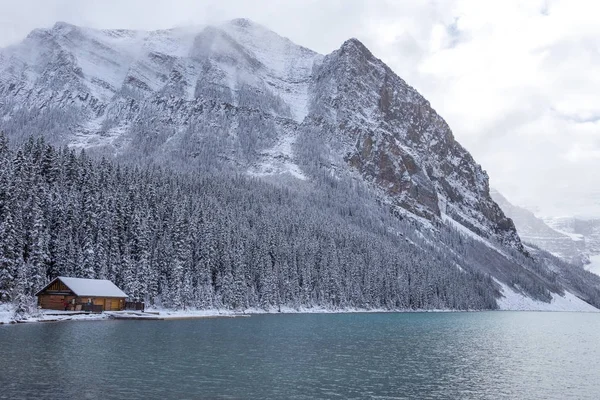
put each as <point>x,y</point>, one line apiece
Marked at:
<point>89,287</point>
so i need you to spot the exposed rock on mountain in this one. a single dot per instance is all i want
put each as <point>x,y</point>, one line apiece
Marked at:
<point>239,96</point>
<point>393,137</point>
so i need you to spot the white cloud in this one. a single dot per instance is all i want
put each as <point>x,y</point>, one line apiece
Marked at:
<point>516,80</point>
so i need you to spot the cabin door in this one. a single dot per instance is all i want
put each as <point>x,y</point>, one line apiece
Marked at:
<point>107,304</point>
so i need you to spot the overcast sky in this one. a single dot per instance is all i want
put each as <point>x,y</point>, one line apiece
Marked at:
<point>518,81</point>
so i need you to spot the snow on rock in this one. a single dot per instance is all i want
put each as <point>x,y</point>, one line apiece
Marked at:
<point>274,169</point>
<point>466,232</point>
<point>514,301</point>
<point>86,136</point>
<point>585,231</point>
<point>289,66</point>
<point>278,160</point>
<point>564,225</point>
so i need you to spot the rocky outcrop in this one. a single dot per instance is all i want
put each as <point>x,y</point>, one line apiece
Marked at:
<point>397,141</point>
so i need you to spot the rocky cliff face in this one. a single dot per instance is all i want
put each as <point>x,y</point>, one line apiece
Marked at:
<point>240,96</point>
<point>396,140</point>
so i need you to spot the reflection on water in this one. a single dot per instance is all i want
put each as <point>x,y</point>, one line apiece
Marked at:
<point>489,355</point>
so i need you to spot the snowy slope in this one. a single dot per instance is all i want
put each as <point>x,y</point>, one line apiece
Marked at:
<point>111,79</point>
<point>514,301</point>
<point>99,64</point>
<point>572,239</point>
<point>579,229</point>
<point>288,66</point>
<point>594,265</point>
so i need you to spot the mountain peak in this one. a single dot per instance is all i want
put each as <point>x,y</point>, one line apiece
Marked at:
<point>247,25</point>
<point>353,42</point>
<point>355,45</point>
<point>61,26</point>
<point>242,22</point>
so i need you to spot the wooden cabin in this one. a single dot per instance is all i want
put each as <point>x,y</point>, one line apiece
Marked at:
<point>77,294</point>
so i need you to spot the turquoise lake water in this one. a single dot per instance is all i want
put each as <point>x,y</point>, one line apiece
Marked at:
<point>484,355</point>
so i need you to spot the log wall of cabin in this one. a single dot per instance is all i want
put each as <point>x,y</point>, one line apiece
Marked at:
<point>56,302</point>
<point>54,296</point>
<point>113,304</point>
<point>107,303</point>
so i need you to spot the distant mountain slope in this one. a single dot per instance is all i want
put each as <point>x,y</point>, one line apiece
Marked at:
<point>569,247</point>
<point>575,240</point>
<point>587,230</point>
<point>238,96</point>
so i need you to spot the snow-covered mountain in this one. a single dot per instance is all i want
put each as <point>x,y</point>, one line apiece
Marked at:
<point>567,246</point>
<point>237,97</point>
<point>581,230</point>
<point>259,102</point>
<point>572,239</point>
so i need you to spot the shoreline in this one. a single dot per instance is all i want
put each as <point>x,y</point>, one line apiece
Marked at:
<point>173,315</point>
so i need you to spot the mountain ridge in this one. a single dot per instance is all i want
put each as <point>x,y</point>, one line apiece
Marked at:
<point>117,77</point>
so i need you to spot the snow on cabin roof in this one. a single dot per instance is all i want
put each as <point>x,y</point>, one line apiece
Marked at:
<point>92,287</point>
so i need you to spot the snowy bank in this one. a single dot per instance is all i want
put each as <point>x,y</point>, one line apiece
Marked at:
<point>514,301</point>
<point>6,313</point>
<point>51,316</point>
<point>163,314</point>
